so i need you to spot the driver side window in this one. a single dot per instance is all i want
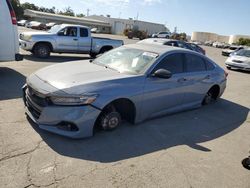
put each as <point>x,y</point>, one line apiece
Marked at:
<point>69,32</point>
<point>173,63</point>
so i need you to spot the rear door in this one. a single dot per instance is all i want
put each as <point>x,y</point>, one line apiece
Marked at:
<point>67,39</point>
<point>84,42</point>
<point>197,79</point>
<point>8,32</point>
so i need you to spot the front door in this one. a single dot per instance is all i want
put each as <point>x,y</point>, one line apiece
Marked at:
<point>67,40</point>
<point>165,95</point>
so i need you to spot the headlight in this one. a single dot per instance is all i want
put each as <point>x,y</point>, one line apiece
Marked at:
<point>75,100</point>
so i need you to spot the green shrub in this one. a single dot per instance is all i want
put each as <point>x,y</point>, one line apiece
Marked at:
<point>244,42</point>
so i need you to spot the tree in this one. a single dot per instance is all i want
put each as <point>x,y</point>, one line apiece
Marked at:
<point>29,6</point>
<point>67,12</point>
<point>80,15</point>
<point>49,10</point>
<point>17,8</point>
<point>244,41</point>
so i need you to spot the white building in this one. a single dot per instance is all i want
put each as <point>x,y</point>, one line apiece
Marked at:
<point>119,25</point>
<point>206,36</point>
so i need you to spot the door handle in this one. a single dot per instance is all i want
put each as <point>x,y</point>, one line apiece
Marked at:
<point>182,80</point>
<point>75,39</point>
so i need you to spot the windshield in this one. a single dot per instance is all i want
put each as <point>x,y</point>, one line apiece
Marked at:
<point>243,52</point>
<point>127,60</point>
<point>55,29</point>
<point>233,48</point>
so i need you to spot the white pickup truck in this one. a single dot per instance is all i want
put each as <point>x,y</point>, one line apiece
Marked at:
<point>66,38</point>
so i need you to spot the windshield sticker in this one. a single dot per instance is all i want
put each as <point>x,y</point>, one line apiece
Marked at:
<point>150,54</point>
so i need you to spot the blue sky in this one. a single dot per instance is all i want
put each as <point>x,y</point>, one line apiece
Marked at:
<point>220,16</point>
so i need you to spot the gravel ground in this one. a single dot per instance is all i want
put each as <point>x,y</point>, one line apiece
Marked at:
<point>198,148</point>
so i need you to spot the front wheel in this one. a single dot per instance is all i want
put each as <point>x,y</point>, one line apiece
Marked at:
<point>229,68</point>
<point>42,51</point>
<point>110,120</point>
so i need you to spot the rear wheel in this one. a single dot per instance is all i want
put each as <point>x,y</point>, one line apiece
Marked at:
<point>211,96</point>
<point>42,51</point>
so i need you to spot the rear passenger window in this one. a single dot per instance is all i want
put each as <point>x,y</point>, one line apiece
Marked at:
<point>194,63</point>
<point>84,32</point>
<point>173,63</point>
<point>210,66</point>
<point>171,43</point>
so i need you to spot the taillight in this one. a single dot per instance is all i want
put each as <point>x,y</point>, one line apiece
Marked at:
<point>13,17</point>
<point>12,13</point>
<point>226,74</point>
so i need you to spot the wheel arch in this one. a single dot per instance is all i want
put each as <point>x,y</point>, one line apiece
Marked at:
<point>215,90</point>
<point>124,106</point>
<point>106,48</point>
<point>44,42</point>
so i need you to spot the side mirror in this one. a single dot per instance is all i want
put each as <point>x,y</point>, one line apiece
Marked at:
<point>162,73</point>
<point>60,33</point>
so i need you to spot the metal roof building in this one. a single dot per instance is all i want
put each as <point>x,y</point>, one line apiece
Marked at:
<point>118,25</point>
<point>45,17</point>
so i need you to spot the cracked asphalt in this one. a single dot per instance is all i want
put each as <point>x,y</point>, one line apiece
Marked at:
<point>198,148</point>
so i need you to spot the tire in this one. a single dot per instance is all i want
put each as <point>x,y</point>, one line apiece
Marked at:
<point>93,55</point>
<point>42,51</point>
<point>229,68</point>
<point>110,120</point>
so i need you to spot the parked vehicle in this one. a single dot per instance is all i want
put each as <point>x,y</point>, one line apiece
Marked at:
<point>170,42</point>
<point>134,83</point>
<point>30,23</point>
<point>209,43</point>
<point>22,23</point>
<point>66,38</point>
<point>49,25</point>
<point>95,30</point>
<point>239,60</point>
<point>9,50</point>
<point>197,48</point>
<point>231,49</point>
<point>163,34</point>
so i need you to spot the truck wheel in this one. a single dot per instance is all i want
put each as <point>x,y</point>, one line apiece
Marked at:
<point>42,51</point>
<point>92,55</point>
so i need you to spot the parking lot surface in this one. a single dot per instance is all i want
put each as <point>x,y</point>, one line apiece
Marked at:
<point>198,148</point>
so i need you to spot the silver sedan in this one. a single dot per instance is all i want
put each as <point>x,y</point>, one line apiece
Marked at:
<point>133,83</point>
<point>239,60</point>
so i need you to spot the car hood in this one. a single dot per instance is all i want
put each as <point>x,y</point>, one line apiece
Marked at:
<point>27,35</point>
<point>80,77</point>
<point>240,58</point>
<point>38,33</point>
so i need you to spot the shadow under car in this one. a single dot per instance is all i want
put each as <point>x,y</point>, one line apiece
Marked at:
<point>186,128</point>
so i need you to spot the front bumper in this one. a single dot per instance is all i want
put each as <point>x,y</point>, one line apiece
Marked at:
<point>26,45</point>
<point>241,66</point>
<point>51,117</point>
<point>225,53</point>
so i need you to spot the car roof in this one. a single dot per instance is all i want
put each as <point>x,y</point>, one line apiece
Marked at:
<point>156,40</point>
<point>155,48</point>
<point>73,25</point>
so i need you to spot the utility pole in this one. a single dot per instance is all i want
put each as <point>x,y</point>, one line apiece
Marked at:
<point>88,12</point>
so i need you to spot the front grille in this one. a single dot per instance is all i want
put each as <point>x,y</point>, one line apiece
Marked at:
<point>35,102</point>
